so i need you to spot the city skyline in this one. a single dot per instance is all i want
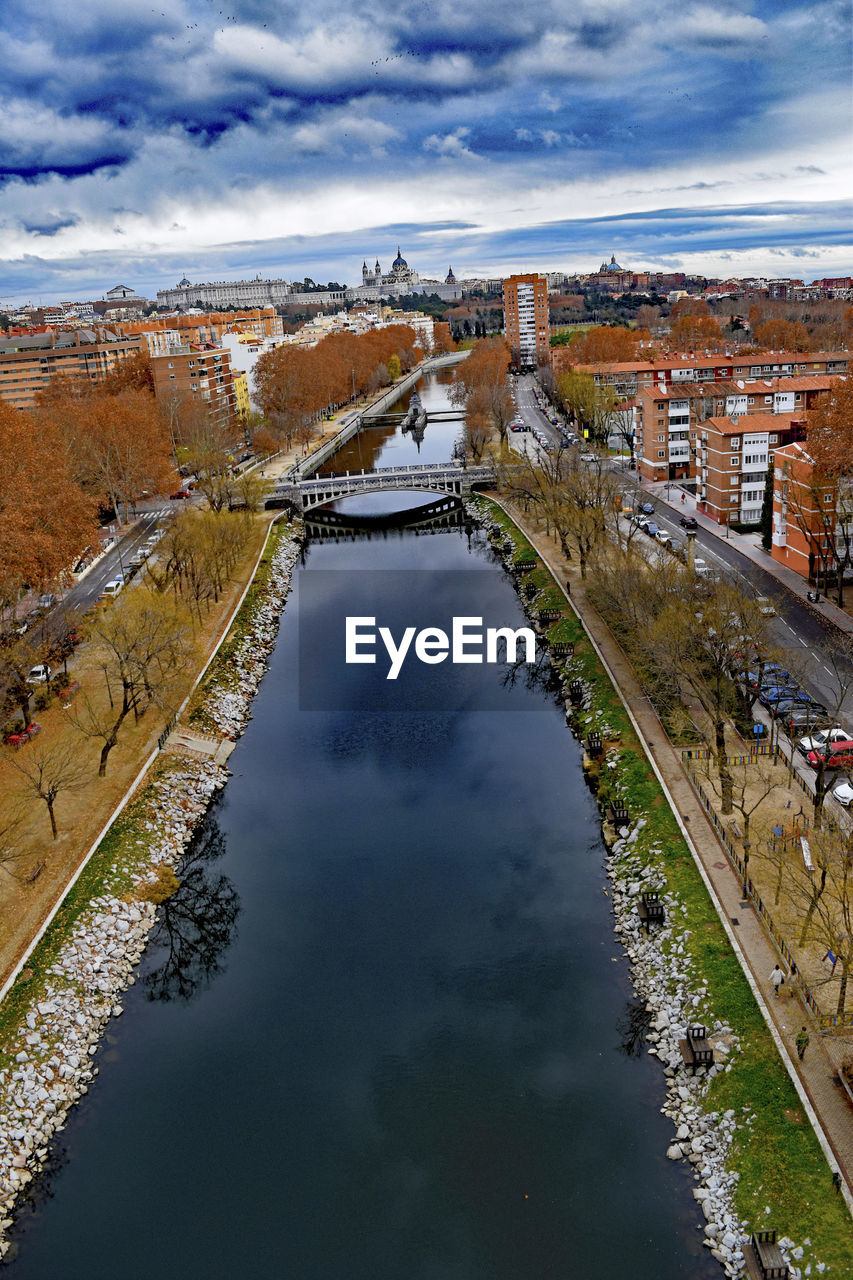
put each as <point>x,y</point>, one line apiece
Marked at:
<point>140,146</point>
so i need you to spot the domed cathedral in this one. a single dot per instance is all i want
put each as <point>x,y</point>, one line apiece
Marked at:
<point>450,278</point>
<point>397,280</point>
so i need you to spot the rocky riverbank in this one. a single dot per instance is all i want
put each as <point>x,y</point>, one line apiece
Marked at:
<point>49,1061</point>
<point>672,992</point>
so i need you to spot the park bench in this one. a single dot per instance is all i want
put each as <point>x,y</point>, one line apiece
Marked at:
<point>695,1050</point>
<point>764,1259</point>
<point>650,908</point>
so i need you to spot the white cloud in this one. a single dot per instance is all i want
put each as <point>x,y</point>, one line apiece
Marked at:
<point>710,25</point>
<point>450,145</point>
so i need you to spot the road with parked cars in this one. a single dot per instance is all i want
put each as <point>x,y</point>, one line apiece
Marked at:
<point>801,699</point>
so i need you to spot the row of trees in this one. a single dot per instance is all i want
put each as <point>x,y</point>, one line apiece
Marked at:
<point>298,385</point>
<point>138,651</point>
<point>480,388</point>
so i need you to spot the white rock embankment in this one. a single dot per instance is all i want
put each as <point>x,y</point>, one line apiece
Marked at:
<point>51,1060</point>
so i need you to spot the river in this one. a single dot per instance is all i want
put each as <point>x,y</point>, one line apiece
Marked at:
<point>382,1033</point>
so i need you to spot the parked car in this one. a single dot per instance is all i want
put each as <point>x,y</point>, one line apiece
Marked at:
<point>517,426</point>
<point>771,673</point>
<point>843,792</point>
<point>785,706</point>
<point>112,588</point>
<point>663,538</point>
<point>648,509</point>
<point>650,528</point>
<point>801,720</point>
<point>689,522</point>
<point>39,674</point>
<point>838,756</point>
<point>769,694</point>
<point>820,738</point>
<point>46,601</point>
<point>765,606</point>
<point>179,493</point>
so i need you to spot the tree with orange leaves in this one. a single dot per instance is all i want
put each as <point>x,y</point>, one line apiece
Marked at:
<point>45,519</point>
<point>604,344</point>
<point>119,442</point>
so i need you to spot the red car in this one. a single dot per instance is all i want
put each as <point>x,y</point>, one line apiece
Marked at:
<point>181,493</point>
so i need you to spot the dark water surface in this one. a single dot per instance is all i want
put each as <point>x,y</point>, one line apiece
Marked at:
<point>379,1035</point>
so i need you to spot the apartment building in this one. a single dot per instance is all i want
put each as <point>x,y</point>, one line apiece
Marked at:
<point>733,455</point>
<point>205,327</point>
<point>30,362</point>
<point>526,323</point>
<point>202,372</point>
<point>631,376</point>
<point>667,417</point>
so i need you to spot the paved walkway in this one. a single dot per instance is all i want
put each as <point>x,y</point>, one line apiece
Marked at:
<point>758,956</point>
<point>749,545</point>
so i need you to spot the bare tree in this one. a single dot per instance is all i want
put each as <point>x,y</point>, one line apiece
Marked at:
<point>50,771</point>
<point>145,642</point>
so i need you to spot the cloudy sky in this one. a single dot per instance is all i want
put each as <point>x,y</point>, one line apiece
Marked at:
<point>228,138</point>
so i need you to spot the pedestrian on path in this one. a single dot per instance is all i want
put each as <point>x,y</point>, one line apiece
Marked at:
<point>683,496</point>
<point>802,1042</point>
<point>777,977</point>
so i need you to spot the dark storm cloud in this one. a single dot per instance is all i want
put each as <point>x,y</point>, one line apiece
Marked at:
<point>174,111</point>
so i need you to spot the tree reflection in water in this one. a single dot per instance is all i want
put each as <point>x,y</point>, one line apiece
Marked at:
<point>632,1028</point>
<point>196,925</point>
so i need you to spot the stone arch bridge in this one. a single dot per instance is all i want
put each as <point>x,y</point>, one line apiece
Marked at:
<point>429,477</point>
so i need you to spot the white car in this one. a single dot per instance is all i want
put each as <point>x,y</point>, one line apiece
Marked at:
<point>765,606</point>
<point>819,740</point>
<point>663,538</point>
<point>843,793</point>
<point>39,674</point>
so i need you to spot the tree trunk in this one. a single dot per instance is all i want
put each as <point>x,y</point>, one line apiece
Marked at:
<point>816,895</point>
<point>842,992</point>
<point>49,804</point>
<point>725,777</point>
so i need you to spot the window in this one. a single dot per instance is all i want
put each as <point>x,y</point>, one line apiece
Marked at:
<point>733,480</point>
<point>734,462</point>
<point>661,453</point>
<point>774,439</point>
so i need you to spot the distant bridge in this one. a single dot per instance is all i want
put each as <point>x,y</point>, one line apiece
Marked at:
<point>430,477</point>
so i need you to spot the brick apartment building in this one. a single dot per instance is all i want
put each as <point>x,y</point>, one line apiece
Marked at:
<point>629,377</point>
<point>264,322</point>
<point>526,322</point>
<point>812,517</point>
<point>30,362</point>
<point>667,417</point>
<point>192,372</point>
<point>732,460</point>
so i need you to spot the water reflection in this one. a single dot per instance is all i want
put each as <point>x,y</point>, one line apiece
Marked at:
<point>196,926</point>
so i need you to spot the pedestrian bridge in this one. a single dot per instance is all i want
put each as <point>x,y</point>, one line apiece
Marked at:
<point>429,477</point>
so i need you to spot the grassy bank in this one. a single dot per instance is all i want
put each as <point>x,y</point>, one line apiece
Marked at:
<point>780,1163</point>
